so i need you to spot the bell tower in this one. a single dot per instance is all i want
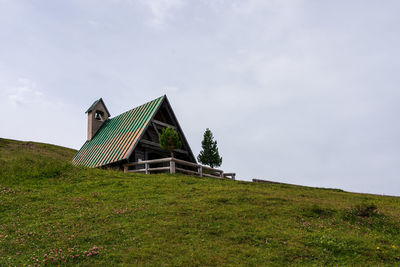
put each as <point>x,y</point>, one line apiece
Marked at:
<point>97,115</point>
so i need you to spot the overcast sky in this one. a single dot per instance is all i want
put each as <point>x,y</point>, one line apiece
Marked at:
<point>304,92</point>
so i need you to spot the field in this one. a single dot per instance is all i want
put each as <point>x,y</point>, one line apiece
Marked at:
<point>52,213</point>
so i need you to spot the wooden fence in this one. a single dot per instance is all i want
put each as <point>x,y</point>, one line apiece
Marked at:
<point>174,165</point>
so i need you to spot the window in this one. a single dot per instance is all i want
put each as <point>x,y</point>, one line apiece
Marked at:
<point>98,115</point>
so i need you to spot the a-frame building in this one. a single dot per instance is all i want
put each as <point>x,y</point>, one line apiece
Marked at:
<point>129,137</point>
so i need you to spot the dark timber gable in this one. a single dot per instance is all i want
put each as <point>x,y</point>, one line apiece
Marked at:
<point>149,147</point>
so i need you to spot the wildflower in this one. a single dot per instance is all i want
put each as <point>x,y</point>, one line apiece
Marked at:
<point>377,248</point>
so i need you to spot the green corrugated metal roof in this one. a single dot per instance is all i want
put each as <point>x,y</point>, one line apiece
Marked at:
<point>117,136</point>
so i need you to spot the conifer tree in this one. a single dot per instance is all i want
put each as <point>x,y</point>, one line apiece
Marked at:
<point>169,139</point>
<point>209,154</point>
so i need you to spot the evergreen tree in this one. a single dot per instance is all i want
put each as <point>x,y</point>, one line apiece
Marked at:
<point>169,139</point>
<point>209,154</point>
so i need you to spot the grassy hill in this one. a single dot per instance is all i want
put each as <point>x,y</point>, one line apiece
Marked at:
<point>54,213</point>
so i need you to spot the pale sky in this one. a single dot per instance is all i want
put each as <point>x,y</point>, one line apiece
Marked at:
<point>303,92</point>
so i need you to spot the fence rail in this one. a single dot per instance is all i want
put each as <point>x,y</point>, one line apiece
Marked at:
<point>191,168</point>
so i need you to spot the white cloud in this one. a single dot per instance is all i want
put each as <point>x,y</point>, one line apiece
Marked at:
<point>162,10</point>
<point>93,22</point>
<point>24,92</point>
<point>34,114</point>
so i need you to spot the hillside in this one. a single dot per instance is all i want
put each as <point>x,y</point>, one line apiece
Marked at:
<point>54,213</point>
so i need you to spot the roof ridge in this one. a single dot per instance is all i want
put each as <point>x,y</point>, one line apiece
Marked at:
<point>137,107</point>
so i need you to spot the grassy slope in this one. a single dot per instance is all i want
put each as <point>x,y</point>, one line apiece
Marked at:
<point>49,208</point>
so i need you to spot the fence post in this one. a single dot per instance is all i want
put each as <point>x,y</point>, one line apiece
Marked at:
<point>221,174</point>
<point>172,166</point>
<point>200,170</point>
<point>125,169</point>
<point>146,167</point>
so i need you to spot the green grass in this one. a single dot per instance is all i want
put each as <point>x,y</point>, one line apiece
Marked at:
<point>54,213</point>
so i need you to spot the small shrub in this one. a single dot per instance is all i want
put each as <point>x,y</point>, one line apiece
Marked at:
<point>169,139</point>
<point>365,210</point>
<point>3,142</point>
<point>317,211</point>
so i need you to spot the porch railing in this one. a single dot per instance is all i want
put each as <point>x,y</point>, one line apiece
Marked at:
<point>173,165</point>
